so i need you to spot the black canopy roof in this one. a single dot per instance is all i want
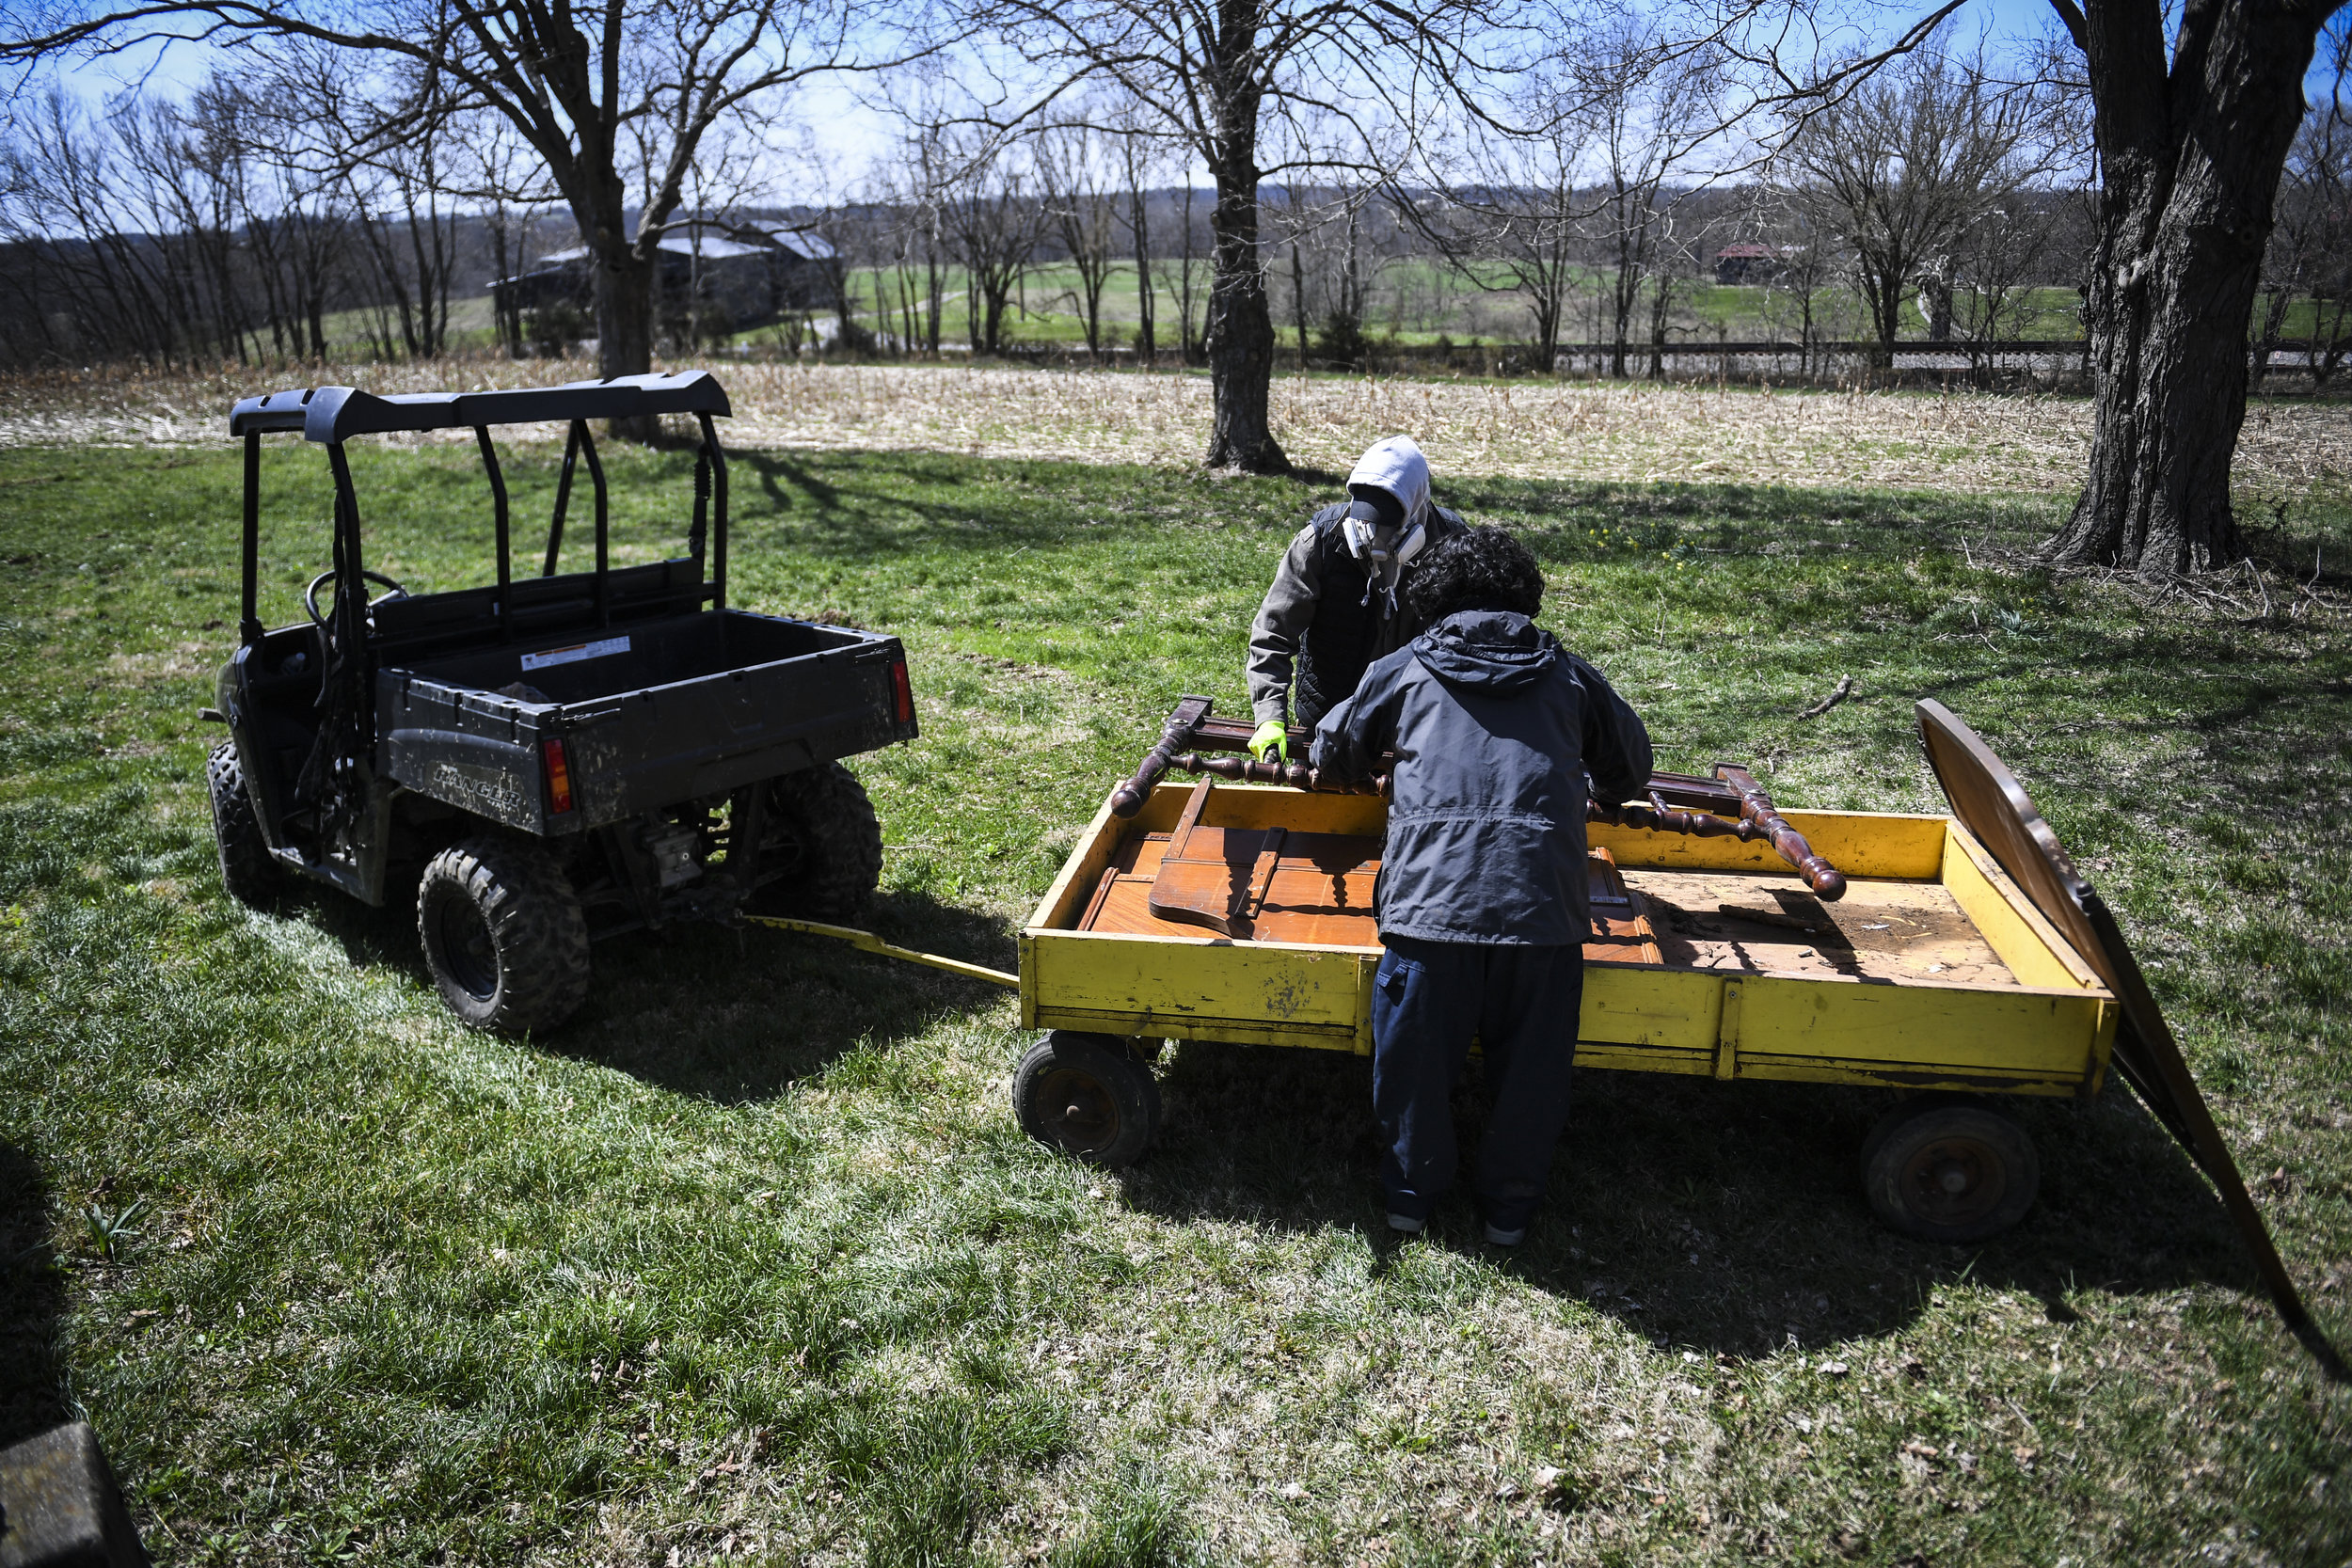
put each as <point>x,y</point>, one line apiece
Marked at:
<point>335,413</point>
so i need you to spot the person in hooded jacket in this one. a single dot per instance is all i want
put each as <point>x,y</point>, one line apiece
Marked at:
<point>1482,893</point>
<point>1336,603</point>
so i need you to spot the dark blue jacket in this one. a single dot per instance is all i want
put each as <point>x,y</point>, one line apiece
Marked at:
<point>1494,726</point>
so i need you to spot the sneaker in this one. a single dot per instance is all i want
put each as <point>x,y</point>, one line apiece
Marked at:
<point>1497,1236</point>
<point>1407,1224</point>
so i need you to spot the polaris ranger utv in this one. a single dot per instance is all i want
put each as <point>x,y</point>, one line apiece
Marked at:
<point>551,759</point>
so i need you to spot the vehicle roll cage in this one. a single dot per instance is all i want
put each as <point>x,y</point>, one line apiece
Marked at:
<point>331,414</point>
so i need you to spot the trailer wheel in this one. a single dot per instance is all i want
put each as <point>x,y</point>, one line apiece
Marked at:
<point>1088,1096</point>
<point>821,858</point>
<point>248,869</point>
<point>502,934</point>
<point>1949,1170</point>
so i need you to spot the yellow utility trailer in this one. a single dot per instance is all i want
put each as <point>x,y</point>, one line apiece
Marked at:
<point>1708,957</point>
<point>1956,958</point>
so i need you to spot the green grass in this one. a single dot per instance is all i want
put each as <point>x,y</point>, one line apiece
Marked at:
<point>750,1262</point>
<point>1703,309</point>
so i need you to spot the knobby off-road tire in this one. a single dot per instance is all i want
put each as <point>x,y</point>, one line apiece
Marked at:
<point>1949,1170</point>
<point>1089,1095</point>
<point>248,869</point>
<point>502,934</point>
<point>823,852</point>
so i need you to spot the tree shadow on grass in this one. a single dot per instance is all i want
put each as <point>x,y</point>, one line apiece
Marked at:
<point>737,1015</point>
<point>32,1303</point>
<point>1725,1217</point>
<point>729,1014</point>
<point>865,504</point>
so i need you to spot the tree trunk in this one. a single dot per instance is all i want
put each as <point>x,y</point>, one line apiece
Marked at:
<point>2192,169</point>
<point>1299,302</point>
<point>624,292</point>
<point>1147,347</point>
<point>1241,330</point>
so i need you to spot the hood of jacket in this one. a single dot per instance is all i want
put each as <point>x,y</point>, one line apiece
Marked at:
<point>1395,465</point>
<point>1496,651</point>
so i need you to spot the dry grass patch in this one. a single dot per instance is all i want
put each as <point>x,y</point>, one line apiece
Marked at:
<point>1957,441</point>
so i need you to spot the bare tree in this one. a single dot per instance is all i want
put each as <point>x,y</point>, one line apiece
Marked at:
<point>86,211</point>
<point>587,87</point>
<point>509,186</point>
<point>1992,284</point>
<point>2306,258</point>
<point>914,189</point>
<point>1800,290</point>
<point>994,217</point>
<point>1291,223</point>
<point>1646,108</point>
<point>297,222</point>
<point>189,164</point>
<point>1140,152</point>
<point>1677,237</point>
<point>1189,284</point>
<point>1254,86</point>
<point>1502,211</point>
<point>408,227</point>
<point>1353,272</point>
<point>2322,182</point>
<point>1074,184</point>
<point>1903,166</point>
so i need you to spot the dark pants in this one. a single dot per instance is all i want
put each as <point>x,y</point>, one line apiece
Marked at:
<point>1428,1000</point>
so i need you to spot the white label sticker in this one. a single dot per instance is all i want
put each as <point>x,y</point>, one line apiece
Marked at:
<point>577,652</point>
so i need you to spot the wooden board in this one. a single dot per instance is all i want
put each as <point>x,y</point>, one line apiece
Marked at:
<point>1878,932</point>
<point>1994,807</point>
<point>1319,894</point>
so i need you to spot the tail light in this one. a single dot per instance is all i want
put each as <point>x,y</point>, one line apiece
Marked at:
<point>559,777</point>
<point>902,693</point>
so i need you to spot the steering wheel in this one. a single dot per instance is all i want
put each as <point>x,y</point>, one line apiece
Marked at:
<point>311,594</point>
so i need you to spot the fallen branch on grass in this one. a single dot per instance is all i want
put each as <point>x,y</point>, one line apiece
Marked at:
<point>1845,690</point>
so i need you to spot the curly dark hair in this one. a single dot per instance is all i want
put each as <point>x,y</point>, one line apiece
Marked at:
<point>1482,569</point>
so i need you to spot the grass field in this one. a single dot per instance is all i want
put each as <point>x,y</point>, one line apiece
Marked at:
<point>749,1263</point>
<point>1413,303</point>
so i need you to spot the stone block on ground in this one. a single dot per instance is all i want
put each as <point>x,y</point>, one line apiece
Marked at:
<point>60,1506</point>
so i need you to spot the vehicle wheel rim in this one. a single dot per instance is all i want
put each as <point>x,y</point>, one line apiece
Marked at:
<point>1079,1111</point>
<point>1954,1182</point>
<point>782,853</point>
<point>467,951</point>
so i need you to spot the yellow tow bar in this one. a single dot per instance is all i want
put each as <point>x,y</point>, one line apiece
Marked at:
<point>873,944</point>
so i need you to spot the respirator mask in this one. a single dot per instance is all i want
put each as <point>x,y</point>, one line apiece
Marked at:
<point>1381,547</point>
<point>1380,536</point>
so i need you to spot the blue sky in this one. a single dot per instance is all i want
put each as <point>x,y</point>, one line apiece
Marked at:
<point>846,136</point>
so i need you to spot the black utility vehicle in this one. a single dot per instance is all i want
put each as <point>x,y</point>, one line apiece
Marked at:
<point>547,759</point>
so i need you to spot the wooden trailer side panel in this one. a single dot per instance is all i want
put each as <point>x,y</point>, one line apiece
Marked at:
<point>2020,1040</point>
<point>1250,994</point>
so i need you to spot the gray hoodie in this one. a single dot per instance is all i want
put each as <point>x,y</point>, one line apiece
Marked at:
<point>1495,727</point>
<point>1332,608</point>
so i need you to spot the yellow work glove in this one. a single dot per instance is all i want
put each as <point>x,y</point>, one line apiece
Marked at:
<point>1272,736</point>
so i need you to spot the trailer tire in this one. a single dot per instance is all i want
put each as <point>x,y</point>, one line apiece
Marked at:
<point>824,844</point>
<point>1088,1096</point>
<point>502,934</point>
<point>248,869</point>
<point>1949,1170</point>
